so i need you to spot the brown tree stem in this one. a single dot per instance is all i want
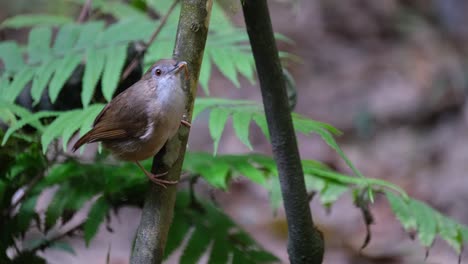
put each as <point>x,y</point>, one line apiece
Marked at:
<point>159,203</point>
<point>305,242</point>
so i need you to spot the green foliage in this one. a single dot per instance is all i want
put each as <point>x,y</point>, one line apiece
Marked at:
<point>101,50</point>
<point>211,228</point>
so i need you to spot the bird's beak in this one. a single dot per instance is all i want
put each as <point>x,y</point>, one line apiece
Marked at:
<point>179,66</point>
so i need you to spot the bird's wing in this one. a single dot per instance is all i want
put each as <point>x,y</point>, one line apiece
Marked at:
<point>119,119</point>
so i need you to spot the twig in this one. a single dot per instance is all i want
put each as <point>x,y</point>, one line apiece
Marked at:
<point>132,65</point>
<point>84,11</point>
<point>159,203</point>
<point>305,243</point>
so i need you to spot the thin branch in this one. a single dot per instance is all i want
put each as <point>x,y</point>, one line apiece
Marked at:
<point>132,65</point>
<point>305,242</point>
<point>84,11</point>
<point>158,209</point>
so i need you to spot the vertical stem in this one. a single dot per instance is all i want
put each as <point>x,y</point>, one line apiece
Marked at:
<point>159,204</point>
<point>305,242</point>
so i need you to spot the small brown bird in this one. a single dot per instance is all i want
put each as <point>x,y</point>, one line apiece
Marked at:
<point>137,123</point>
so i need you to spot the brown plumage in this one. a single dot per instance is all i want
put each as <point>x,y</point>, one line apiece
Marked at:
<point>137,123</point>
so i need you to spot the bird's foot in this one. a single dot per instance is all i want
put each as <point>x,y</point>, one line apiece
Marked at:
<point>155,179</point>
<point>186,123</point>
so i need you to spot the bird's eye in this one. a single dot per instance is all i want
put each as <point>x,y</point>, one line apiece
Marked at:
<point>158,72</point>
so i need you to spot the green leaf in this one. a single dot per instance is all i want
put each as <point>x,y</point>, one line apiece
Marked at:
<point>88,34</point>
<point>56,128</point>
<point>27,120</point>
<point>216,173</point>
<point>67,37</point>
<point>57,205</point>
<point>261,122</point>
<point>245,65</point>
<point>241,123</point>
<point>425,219</point>
<point>77,123</point>
<point>64,70</point>
<point>21,112</point>
<point>11,56</point>
<point>449,231</point>
<point>249,171</point>
<point>402,211</point>
<point>218,253</point>
<point>89,119</point>
<point>39,44</point>
<point>26,212</point>
<point>115,60</point>
<point>218,119</point>
<point>196,246</point>
<point>331,193</point>
<point>41,78</point>
<point>95,217</point>
<point>31,20</point>
<point>94,66</point>
<point>223,60</point>
<point>118,9</point>
<point>63,246</point>
<point>11,92</point>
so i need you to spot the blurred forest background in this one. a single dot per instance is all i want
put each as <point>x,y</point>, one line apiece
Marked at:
<point>391,74</point>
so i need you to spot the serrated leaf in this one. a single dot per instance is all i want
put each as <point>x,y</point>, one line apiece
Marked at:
<point>55,129</point>
<point>425,220</point>
<point>11,92</point>
<point>88,34</point>
<point>218,119</point>
<point>94,67</point>
<point>31,20</point>
<point>95,217</point>
<point>56,206</point>
<point>216,173</point>
<point>93,111</point>
<point>11,56</point>
<point>245,65</point>
<point>196,246</point>
<point>331,193</point>
<point>449,231</point>
<point>402,211</point>
<point>119,10</point>
<point>241,124</point>
<point>115,60</point>
<point>39,44</point>
<point>26,212</point>
<point>21,112</point>
<point>261,122</point>
<point>249,171</point>
<point>222,59</point>
<point>218,253</point>
<point>27,120</point>
<point>41,78</point>
<point>64,70</point>
<point>113,33</point>
<point>75,124</point>
<point>66,38</point>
